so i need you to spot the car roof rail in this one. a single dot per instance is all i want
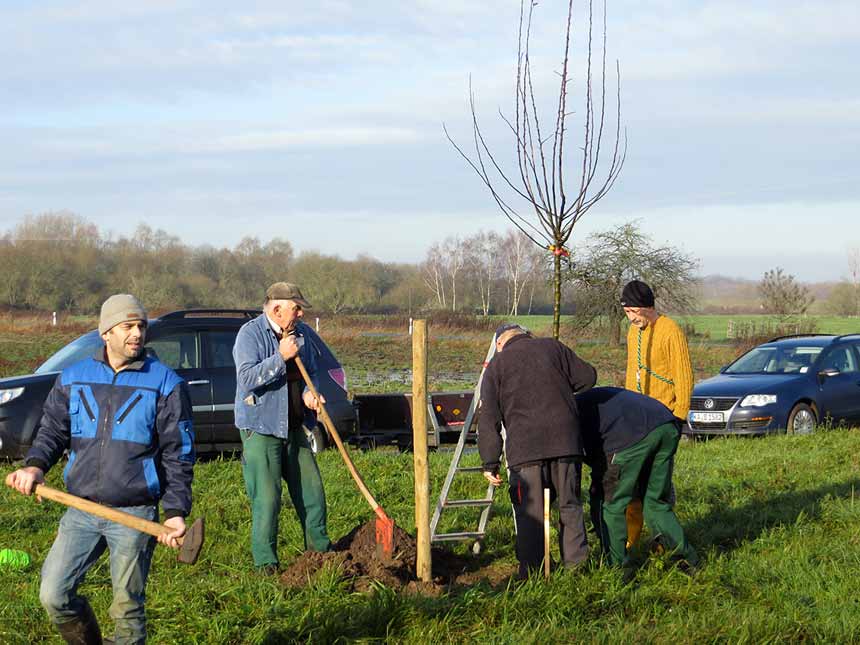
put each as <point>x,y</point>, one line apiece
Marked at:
<point>844,336</point>
<point>211,313</point>
<point>795,336</point>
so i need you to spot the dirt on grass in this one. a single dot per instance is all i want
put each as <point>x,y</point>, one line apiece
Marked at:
<point>357,559</point>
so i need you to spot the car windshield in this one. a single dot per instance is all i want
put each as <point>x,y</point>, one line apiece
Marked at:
<point>75,351</point>
<point>775,359</point>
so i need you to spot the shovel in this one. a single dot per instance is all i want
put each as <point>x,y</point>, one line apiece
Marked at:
<point>384,524</point>
<point>189,544</point>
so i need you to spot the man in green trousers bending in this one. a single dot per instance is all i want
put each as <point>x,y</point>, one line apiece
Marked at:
<point>273,406</point>
<point>630,443</point>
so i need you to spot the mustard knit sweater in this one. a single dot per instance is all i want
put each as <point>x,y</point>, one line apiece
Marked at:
<point>664,356</point>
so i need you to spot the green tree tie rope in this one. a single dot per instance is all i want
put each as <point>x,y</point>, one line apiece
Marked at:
<point>645,367</point>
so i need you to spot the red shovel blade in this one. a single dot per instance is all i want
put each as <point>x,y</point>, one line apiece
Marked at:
<point>384,533</point>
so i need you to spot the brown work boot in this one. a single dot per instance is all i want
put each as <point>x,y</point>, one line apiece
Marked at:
<point>83,630</point>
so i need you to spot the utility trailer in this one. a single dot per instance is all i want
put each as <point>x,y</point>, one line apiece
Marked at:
<point>387,419</point>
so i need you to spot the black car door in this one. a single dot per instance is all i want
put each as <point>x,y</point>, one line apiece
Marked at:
<point>218,361</point>
<point>180,350</point>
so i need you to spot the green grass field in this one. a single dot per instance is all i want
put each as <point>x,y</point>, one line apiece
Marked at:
<point>774,519</point>
<point>715,326</point>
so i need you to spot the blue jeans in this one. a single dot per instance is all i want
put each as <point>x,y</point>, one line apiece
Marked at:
<point>81,540</point>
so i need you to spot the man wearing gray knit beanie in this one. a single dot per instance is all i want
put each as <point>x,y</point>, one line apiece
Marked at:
<point>125,419</point>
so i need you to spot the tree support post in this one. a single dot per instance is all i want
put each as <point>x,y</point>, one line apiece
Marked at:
<point>419,449</point>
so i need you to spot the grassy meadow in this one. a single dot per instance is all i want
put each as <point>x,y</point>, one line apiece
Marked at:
<point>774,519</point>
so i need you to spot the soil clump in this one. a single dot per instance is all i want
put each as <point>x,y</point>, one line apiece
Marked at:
<point>357,560</point>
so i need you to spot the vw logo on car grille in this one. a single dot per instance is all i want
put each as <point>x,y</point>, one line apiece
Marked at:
<point>709,404</point>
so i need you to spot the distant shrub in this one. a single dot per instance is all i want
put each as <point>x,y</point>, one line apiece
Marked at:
<point>747,334</point>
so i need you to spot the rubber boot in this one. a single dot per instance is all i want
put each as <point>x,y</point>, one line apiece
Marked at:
<point>635,520</point>
<point>83,630</point>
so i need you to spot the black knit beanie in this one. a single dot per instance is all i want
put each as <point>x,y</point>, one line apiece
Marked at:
<point>637,294</point>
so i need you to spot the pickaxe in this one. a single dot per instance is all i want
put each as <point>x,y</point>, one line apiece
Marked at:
<point>189,544</point>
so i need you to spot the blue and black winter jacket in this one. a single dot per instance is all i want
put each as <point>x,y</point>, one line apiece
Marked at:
<point>129,434</point>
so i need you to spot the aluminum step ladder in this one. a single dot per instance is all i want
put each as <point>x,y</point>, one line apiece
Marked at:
<point>455,469</point>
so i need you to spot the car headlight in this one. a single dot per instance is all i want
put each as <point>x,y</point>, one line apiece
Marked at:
<point>758,400</point>
<point>12,393</point>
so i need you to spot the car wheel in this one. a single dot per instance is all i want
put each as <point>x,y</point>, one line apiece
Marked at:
<point>318,440</point>
<point>801,420</point>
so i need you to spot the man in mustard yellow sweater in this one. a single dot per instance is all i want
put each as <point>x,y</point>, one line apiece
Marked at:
<point>658,359</point>
<point>658,365</point>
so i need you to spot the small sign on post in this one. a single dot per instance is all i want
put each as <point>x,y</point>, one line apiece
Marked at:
<point>410,326</point>
<point>419,450</point>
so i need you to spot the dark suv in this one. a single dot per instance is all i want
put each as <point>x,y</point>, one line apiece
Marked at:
<point>198,345</point>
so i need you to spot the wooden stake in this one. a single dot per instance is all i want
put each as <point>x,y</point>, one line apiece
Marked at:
<point>546,533</point>
<point>419,449</point>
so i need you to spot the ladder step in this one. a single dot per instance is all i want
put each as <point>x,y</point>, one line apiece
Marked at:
<point>467,502</point>
<point>471,469</point>
<point>465,535</point>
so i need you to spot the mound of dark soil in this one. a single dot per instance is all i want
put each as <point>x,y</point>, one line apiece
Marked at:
<point>357,559</point>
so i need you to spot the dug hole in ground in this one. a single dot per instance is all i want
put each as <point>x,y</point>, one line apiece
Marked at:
<point>355,557</point>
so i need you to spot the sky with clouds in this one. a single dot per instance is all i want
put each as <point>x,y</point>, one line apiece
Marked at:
<point>322,122</point>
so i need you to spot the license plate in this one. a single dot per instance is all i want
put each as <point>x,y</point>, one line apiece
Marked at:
<point>708,417</point>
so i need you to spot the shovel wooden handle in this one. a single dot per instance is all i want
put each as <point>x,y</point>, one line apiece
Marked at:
<point>340,447</point>
<point>106,512</point>
<point>546,532</point>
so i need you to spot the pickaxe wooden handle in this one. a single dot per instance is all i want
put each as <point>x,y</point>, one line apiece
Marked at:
<point>190,543</point>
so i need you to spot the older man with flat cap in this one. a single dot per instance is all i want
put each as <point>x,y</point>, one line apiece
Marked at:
<point>529,388</point>
<point>273,408</point>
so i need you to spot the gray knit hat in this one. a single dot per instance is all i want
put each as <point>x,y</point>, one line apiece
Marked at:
<point>120,308</point>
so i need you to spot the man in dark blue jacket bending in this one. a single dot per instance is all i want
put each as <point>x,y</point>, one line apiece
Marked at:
<point>125,419</point>
<point>630,443</point>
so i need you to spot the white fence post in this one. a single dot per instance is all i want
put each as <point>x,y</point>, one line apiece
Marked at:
<point>410,326</point>
<point>318,324</point>
<point>54,319</point>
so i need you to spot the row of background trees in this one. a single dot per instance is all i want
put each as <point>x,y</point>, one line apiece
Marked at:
<point>62,262</point>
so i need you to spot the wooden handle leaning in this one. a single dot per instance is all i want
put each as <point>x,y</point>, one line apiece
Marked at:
<point>108,513</point>
<point>334,435</point>
<point>546,532</point>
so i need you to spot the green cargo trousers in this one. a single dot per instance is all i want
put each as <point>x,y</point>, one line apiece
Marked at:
<point>649,463</point>
<point>266,460</point>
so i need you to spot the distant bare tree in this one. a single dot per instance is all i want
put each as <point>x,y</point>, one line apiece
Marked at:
<point>552,206</point>
<point>433,272</point>
<point>482,258</point>
<point>854,276</point>
<point>782,296</point>
<point>445,260</point>
<point>522,266</point>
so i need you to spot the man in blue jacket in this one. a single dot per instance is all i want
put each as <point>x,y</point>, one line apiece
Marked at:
<point>630,443</point>
<point>125,419</point>
<point>273,406</point>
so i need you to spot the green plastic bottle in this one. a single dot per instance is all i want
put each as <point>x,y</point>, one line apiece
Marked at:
<point>14,559</point>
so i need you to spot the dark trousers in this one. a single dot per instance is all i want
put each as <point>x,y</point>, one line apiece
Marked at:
<point>644,468</point>
<point>563,476</point>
